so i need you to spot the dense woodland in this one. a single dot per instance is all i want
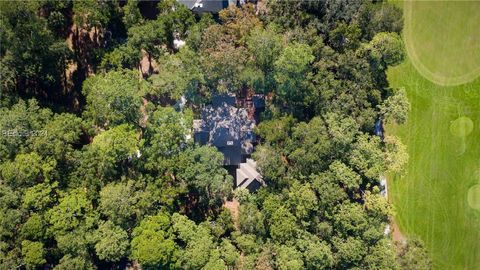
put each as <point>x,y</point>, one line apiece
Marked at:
<point>97,170</point>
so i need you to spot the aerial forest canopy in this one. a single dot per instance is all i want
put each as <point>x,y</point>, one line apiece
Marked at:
<point>98,169</point>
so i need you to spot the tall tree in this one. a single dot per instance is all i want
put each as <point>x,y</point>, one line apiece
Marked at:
<point>291,69</point>
<point>114,98</point>
<point>201,168</point>
<point>180,75</point>
<point>153,244</point>
<point>111,242</point>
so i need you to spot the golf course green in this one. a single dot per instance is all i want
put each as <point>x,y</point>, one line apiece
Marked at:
<point>437,198</point>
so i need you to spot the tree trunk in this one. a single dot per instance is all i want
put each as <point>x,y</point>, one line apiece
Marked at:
<point>149,64</point>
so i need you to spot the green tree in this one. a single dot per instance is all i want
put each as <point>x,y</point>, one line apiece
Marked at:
<point>251,220</point>
<point>201,168</point>
<point>33,254</point>
<point>77,242</point>
<point>350,219</point>
<point>124,56</point>
<point>198,249</point>
<point>310,147</point>
<point>266,46</point>
<point>283,225</point>
<point>222,62</point>
<point>344,175</point>
<point>377,206</point>
<point>148,37</point>
<point>113,98</point>
<point>180,74</point>
<point>195,33</point>
<point>34,228</point>
<point>413,255</point>
<point>289,258</point>
<point>197,242</point>
<point>111,242</point>
<point>91,14</point>
<point>33,61</point>
<point>367,156</point>
<point>302,201</point>
<point>239,21</point>
<point>70,262</point>
<point>380,17</point>
<point>166,136</point>
<point>248,243</point>
<point>131,14</point>
<point>341,130</point>
<point>329,192</point>
<point>177,19</point>
<point>276,131</point>
<point>381,256</point>
<point>223,224</point>
<point>229,253</point>
<point>291,68</point>
<point>350,252</point>
<point>395,108</point>
<point>10,214</point>
<point>18,121</point>
<point>345,37</point>
<point>40,197</point>
<point>387,49</point>
<point>122,203</point>
<point>153,244</point>
<point>396,154</point>
<point>61,134</point>
<point>73,210</point>
<point>26,170</point>
<point>107,156</point>
<point>318,255</point>
<point>270,164</point>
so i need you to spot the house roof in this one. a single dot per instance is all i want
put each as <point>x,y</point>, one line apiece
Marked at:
<point>248,177</point>
<point>229,129</point>
<point>203,6</point>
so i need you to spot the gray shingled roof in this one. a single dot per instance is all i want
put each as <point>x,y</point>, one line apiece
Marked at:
<point>202,6</point>
<point>229,129</point>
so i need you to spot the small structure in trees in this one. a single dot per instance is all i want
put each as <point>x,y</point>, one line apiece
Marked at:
<point>379,128</point>
<point>248,177</point>
<point>206,6</point>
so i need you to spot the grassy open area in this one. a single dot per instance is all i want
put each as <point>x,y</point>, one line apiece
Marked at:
<point>443,39</point>
<point>437,198</point>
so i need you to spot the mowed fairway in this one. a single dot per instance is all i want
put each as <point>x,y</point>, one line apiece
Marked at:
<point>444,39</point>
<point>437,198</point>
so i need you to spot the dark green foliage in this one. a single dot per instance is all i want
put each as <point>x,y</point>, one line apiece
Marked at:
<point>413,255</point>
<point>33,60</point>
<point>200,168</point>
<point>111,242</point>
<point>17,123</point>
<point>152,243</point>
<point>114,98</point>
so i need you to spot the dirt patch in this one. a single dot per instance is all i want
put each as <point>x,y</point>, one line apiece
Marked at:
<point>234,207</point>
<point>148,65</point>
<point>397,235</point>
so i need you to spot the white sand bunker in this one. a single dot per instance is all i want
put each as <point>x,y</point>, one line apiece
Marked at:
<point>461,127</point>
<point>473,197</point>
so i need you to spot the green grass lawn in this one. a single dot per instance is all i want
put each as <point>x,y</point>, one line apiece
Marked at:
<point>435,198</point>
<point>443,39</point>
